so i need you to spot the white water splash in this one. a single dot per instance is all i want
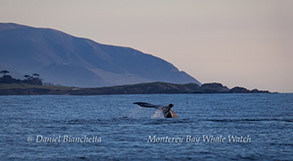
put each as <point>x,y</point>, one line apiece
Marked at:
<point>157,114</point>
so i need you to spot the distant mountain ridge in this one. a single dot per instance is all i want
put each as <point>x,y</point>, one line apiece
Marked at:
<point>64,59</point>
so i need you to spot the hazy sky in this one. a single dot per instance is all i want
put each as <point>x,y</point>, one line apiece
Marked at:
<point>236,42</point>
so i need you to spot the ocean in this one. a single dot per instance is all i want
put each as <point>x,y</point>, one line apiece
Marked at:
<point>111,127</point>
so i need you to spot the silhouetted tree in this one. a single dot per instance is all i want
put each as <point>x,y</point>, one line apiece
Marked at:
<point>35,79</point>
<point>28,77</point>
<point>4,72</point>
<point>36,75</point>
<point>7,78</point>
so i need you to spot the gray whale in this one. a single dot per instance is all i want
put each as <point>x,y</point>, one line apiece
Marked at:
<point>166,110</point>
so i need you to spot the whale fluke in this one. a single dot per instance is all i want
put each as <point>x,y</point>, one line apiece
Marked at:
<point>166,110</point>
<point>147,105</point>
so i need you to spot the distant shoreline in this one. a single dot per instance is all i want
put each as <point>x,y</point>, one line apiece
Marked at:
<point>142,88</point>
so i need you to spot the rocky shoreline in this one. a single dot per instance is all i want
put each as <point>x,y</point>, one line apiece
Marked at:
<point>142,88</point>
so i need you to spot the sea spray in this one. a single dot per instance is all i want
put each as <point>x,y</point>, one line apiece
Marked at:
<point>157,114</point>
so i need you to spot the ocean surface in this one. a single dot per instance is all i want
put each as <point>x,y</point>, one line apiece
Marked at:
<point>111,127</point>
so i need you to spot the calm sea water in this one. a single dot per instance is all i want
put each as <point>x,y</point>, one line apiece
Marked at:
<point>121,130</point>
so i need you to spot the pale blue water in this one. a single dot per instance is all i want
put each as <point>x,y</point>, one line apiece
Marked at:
<point>124,128</point>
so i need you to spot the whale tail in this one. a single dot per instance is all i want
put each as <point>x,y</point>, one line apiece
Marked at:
<point>166,110</point>
<point>147,105</point>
